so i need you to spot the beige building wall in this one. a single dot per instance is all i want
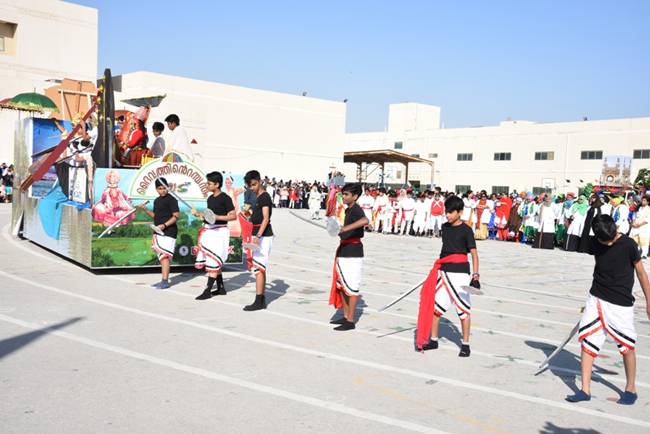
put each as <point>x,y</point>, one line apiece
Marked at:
<point>50,40</point>
<point>238,128</point>
<point>521,139</point>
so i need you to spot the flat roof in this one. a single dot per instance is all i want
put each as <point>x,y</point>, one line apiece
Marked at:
<point>382,156</point>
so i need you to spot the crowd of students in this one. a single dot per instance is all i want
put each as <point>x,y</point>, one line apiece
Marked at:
<point>544,221</point>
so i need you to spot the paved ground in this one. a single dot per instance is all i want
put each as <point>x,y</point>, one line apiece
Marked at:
<point>84,352</point>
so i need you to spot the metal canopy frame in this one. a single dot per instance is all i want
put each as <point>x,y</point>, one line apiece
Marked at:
<point>381,157</point>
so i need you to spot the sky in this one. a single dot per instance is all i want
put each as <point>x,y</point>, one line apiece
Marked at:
<point>480,61</point>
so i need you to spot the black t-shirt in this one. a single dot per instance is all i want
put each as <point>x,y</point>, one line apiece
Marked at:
<point>456,239</point>
<point>614,270</point>
<point>262,200</point>
<point>163,208</point>
<point>220,205</point>
<point>352,214</point>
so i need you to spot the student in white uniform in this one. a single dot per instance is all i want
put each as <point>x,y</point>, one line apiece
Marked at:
<point>408,213</point>
<point>421,215</point>
<point>178,140</point>
<point>366,202</point>
<point>380,209</point>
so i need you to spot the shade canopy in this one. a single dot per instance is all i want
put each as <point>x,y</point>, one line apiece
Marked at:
<point>382,157</point>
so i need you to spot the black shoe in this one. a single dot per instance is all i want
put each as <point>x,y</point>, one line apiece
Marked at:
<point>464,351</point>
<point>338,321</point>
<point>346,325</point>
<point>204,295</point>
<point>431,345</point>
<point>219,291</point>
<point>258,304</point>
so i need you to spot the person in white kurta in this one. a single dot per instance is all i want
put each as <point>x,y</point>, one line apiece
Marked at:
<point>380,209</point>
<point>466,216</point>
<point>621,214</point>
<point>314,202</point>
<point>366,202</point>
<point>421,216</point>
<point>547,220</point>
<point>178,140</point>
<point>641,227</point>
<point>577,214</point>
<point>408,212</point>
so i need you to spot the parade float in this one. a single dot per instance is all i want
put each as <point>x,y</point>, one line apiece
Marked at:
<point>78,194</point>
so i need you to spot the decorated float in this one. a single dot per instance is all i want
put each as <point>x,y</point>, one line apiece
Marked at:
<point>79,188</point>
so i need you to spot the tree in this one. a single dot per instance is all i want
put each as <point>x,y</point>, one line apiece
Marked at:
<point>643,177</point>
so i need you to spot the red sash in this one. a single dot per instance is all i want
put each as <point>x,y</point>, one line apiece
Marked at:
<point>247,237</point>
<point>335,295</point>
<point>428,298</point>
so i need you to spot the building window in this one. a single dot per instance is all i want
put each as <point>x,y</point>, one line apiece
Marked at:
<point>464,157</point>
<point>433,155</point>
<point>546,155</point>
<point>462,189</point>
<point>415,155</point>
<point>500,189</point>
<point>642,153</point>
<point>7,38</point>
<point>502,156</point>
<point>591,155</point>
<point>540,190</point>
<point>399,145</point>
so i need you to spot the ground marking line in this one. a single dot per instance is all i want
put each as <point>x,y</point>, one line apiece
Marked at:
<point>451,347</point>
<point>345,359</point>
<point>545,293</point>
<point>373,312</point>
<point>511,300</point>
<point>51,259</point>
<point>410,300</point>
<point>256,387</point>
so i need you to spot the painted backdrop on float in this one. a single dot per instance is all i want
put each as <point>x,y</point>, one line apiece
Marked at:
<point>128,243</point>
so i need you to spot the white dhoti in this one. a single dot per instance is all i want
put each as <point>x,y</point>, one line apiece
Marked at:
<point>261,256</point>
<point>163,246</point>
<point>213,247</point>
<point>348,275</point>
<point>436,222</point>
<point>602,318</point>
<point>451,288</point>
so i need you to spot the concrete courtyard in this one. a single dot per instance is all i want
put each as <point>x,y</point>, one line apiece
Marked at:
<point>102,352</point>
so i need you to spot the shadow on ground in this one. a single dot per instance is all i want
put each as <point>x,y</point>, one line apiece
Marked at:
<point>567,360</point>
<point>551,428</point>
<point>11,345</point>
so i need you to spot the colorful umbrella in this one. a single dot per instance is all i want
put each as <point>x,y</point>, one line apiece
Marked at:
<point>32,101</point>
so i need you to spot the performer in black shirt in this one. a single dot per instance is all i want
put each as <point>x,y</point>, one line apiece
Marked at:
<point>214,239</point>
<point>348,263</point>
<point>453,276</point>
<point>165,214</point>
<point>262,236</point>
<point>609,309</point>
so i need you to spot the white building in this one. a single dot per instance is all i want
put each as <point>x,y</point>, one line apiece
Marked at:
<point>238,129</point>
<point>42,40</point>
<point>519,155</point>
